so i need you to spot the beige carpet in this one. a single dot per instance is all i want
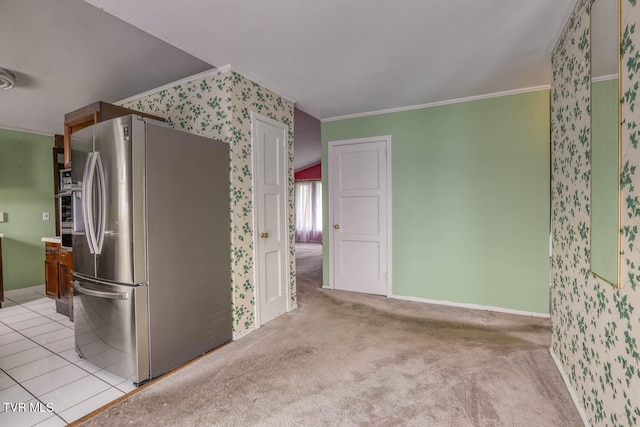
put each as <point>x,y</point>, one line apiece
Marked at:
<point>344,359</point>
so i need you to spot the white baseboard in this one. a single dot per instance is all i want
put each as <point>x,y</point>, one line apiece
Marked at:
<point>25,291</point>
<point>473,306</point>
<point>567,383</point>
<point>237,336</point>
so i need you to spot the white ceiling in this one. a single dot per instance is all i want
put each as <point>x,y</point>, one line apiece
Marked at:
<point>307,147</point>
<point>337,57</point>
<point>333,57</point>
<point>67,54</point>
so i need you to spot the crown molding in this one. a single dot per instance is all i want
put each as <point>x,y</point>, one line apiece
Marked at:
<point>206,73</point>
<point>440,103</point>
<point>23,130</point>
<point>604,78</point>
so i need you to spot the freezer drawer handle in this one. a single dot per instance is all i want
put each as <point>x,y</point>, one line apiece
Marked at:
<point>111,295</point>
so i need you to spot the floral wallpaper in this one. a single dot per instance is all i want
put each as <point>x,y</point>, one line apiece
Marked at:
<point>201,106</point>
<point>596,328</point>
<point>248,96</point>
<point>219,106</point>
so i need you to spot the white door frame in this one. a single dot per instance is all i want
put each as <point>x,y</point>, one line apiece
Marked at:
<point>254,117</point>
<point>330,180</point>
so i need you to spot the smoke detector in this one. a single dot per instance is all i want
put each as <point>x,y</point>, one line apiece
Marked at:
<point>7,79</point>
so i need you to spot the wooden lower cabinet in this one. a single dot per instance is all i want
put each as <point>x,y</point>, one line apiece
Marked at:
<point>58,266</point>
<point>65,277</point>
<point>52,287</point>
<point>51,277</point>
<point>64,272</point>
<point>1,282</point>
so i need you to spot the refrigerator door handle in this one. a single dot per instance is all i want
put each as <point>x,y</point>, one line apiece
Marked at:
<point>102,204</point>
<point>78,207</point>
<point>100,294</point>
<point>87,201</point>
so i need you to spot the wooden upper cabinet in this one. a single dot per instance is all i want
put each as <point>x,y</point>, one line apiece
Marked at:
<point>89,115</point>
<point>74,125</point>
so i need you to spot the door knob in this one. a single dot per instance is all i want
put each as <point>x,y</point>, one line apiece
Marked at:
<point>336,226</point>
<point>264,235</point>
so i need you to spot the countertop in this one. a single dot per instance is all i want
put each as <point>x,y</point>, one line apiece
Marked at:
<point>56,239</point>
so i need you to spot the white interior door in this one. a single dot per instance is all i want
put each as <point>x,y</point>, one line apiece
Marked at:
<point>359,193</point>
<point>271,240</point>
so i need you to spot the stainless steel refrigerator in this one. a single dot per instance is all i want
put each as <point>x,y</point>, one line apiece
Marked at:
<point>151,252</point>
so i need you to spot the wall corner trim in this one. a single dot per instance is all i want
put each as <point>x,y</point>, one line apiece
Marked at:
<point>567,383</point>
<point>237,336</point>
<point>440,103</point>
<point>566,14</point>
<point>472,306</point>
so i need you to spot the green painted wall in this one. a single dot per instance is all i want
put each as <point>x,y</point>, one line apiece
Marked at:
<point>26,190</point>
<point>470,186</point>
<point>605,228</point>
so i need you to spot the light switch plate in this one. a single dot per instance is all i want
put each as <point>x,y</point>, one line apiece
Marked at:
<point>45,216</point>
<point>1,216</point>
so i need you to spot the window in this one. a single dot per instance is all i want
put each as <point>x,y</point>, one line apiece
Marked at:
<point>309,211</point>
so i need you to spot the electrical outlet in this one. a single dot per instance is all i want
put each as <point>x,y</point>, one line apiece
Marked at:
<point>45,216</point>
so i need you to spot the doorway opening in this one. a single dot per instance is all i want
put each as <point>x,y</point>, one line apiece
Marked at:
<point>308,204</point>
<point>308,210</point>
<point>308,266</point>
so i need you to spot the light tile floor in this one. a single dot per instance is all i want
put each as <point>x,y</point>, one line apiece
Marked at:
<point>43,382</point>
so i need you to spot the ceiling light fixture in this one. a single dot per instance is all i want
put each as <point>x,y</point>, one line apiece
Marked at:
<point>7,79</point>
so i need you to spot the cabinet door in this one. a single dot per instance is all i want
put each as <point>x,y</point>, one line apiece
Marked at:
<point>63,280</point>
<point>51,276</point>
<point>64,269</point>
<point>1,284</point>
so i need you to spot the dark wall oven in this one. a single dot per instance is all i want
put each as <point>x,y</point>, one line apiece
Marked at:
<point>70,208</point>
<point>66,217</point>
